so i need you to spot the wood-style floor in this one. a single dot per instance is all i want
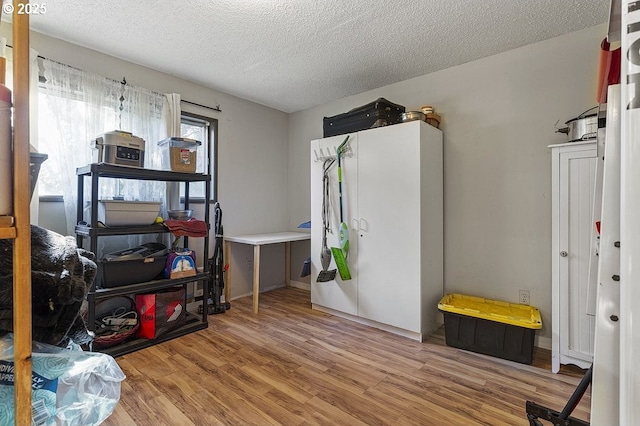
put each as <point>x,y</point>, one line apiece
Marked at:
<point>291,365</point>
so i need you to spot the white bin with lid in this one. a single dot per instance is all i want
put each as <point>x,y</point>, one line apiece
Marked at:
<point>127,213</point>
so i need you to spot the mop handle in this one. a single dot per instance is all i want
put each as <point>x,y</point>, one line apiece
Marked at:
<point>339,152</point>
<point>340,186</point>
<point>325,188</point>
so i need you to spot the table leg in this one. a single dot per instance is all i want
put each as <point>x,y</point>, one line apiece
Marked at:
<point>287,263</point>
<point>256,277</point>
<point>227,284</point>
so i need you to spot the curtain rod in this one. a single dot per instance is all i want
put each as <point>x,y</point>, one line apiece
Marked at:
<point>124,82</point>
<point>217,108</point>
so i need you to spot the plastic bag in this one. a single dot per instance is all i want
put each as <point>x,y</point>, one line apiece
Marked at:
<point>69,386</point>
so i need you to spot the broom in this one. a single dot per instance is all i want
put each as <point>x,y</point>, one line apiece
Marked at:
<point>325,274</point>
<point>340,253</point>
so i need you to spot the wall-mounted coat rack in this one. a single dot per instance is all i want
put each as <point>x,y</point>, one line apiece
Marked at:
<point>321,154</point>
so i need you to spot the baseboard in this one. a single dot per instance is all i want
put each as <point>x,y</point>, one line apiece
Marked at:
<point>384,327</point>
<point>300,285</point>
<point>542,342</point>
<point>262,290</point>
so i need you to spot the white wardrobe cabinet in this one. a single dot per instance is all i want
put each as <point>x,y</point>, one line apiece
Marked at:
<point>573,323</point>
<point>392,199</point>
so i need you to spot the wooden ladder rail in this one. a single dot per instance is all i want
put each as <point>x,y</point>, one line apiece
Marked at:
<point>21,199</point>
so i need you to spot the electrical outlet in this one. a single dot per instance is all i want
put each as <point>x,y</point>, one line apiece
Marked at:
<point>524,297</point>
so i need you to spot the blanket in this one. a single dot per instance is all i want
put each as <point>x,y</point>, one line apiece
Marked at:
<point>61,276</point>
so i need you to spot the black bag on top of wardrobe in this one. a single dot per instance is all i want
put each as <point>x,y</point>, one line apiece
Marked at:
<point>379,113</point>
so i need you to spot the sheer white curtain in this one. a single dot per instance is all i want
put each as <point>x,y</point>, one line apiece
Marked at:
<point>33,107</point>
<point>172,122</point>
<point>173,113</point>
<point>74,108</point>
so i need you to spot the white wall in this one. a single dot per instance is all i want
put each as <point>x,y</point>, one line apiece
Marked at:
<point>252,149</point>
<point>498,118</point>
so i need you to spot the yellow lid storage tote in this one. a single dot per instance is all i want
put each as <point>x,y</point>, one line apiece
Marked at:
<point>491,327</point>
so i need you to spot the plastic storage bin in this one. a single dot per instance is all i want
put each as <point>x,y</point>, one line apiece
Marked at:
<point>132,265</point>
<point>127,213</point>
<point>125,272</point>
<point>180,154</point>
<point>490,327</point>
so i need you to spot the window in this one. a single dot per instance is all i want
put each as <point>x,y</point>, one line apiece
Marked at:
<point>73,108</point>
<point>203,129</point>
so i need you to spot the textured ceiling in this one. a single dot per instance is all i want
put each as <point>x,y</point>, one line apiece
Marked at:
<point>291,55</point>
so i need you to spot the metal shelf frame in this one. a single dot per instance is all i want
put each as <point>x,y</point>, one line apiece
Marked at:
<point>93,230</point>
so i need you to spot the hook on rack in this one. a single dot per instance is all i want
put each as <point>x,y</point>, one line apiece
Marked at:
<point>321,154</point>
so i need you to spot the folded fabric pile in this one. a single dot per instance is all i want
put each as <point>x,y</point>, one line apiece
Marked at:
<point>191,228</point>
<point>61,275</point>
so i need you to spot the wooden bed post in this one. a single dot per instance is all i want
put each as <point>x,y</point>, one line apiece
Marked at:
<point>21,196</point>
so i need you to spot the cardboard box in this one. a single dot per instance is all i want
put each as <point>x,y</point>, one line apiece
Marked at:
<point>160,312</point>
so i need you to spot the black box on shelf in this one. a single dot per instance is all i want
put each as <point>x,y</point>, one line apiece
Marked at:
<point>125,272</point>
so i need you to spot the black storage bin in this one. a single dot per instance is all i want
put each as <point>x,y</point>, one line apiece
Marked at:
<point>125,272</point>
<point>379,113</point>
<point>489,337</point>
<point>490,327</point>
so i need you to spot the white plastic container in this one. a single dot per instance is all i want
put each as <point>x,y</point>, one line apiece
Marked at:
<point>127,213</point>
<point>6,155</point>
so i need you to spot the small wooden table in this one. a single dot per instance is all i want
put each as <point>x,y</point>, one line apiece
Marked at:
<point>258,240</point>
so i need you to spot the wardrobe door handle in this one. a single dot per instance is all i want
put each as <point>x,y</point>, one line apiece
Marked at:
<point>355,225</point>
<point>364,225</point>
